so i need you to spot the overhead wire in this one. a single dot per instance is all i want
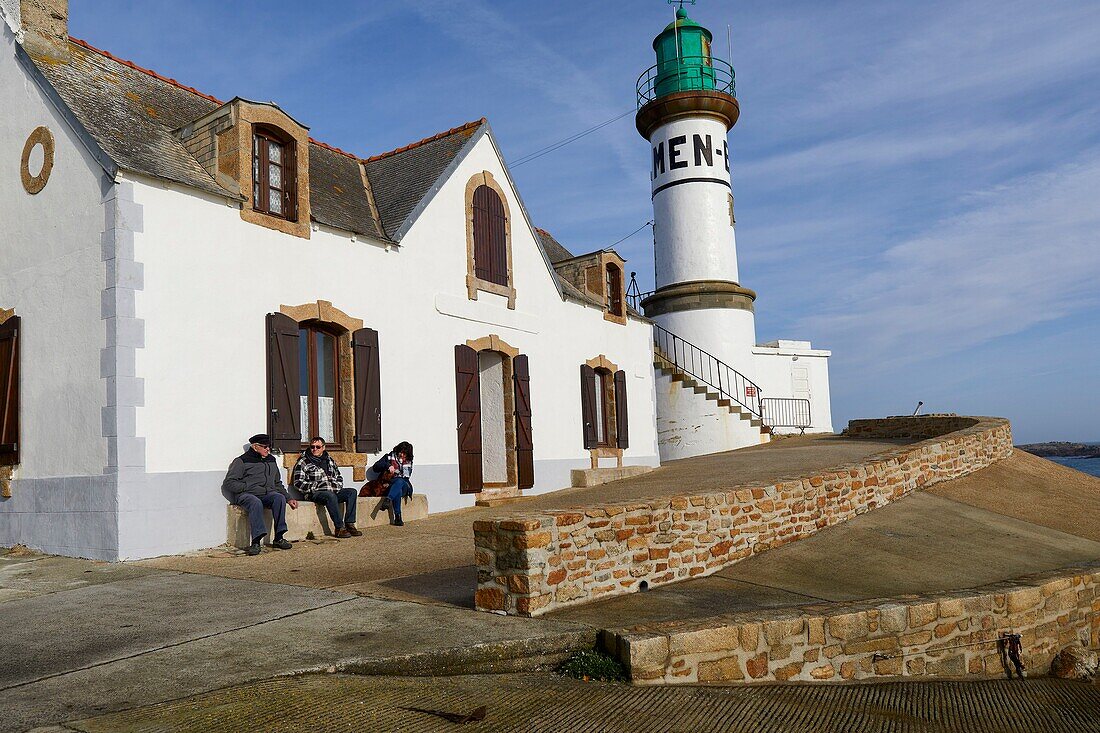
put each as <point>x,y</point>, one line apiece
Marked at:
<point>566,141</point>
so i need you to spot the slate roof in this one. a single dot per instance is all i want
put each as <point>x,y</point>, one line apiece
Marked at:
<point>553,248</point>
<point>132,113</point>
<point>401,178</point>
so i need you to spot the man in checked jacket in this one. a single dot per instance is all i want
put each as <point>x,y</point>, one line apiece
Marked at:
<point>317,477</point>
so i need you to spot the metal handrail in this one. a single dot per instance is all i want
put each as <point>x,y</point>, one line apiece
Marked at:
<point>686,73</point>
<point>708,369</point>
<point>786,412</point>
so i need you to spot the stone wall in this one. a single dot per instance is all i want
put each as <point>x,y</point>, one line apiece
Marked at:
<point>531,563</point>
<point>915,636</point>
<point>917,427</point>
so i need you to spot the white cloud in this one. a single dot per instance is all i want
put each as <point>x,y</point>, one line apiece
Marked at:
<point>1022,253</point>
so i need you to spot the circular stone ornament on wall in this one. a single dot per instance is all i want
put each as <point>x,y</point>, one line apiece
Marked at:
<point>34,183</point>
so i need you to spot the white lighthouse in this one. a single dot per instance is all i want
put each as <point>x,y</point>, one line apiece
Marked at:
<point>736,390</point>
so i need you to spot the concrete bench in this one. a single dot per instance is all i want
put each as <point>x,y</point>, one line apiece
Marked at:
<point>309,517</point>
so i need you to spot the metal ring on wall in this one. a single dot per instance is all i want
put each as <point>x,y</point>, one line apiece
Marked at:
<point>41,136</point>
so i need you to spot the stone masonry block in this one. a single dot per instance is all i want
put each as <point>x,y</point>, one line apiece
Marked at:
<point>117,244</point>
<point>126,274</point>
<point>126,391</point>
<point>124,214</point>
<point>721,638</point>
<point>129,452</point>
<point>125,332</point>
<point>119,421</point>
<point>118,361</point>
<point>118,302</point>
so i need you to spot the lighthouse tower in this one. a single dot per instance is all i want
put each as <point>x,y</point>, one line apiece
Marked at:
<point>717,388</point>
<point>687,106</point>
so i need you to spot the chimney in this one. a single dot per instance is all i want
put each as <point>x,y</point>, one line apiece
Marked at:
<point>46,28</point>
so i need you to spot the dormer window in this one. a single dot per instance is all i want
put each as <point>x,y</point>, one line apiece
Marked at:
<point>614,288</point>
<point>274,174</point>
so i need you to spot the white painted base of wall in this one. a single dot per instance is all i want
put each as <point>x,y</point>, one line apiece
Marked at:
<point>76,516</point>
<point>689,424</point>
<point>133,516</point>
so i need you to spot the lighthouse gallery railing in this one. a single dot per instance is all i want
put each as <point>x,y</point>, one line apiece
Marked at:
<point>708,369</point>
<point>684,74</point>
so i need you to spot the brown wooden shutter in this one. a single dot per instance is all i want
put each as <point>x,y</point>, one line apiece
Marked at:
<point>468,395</point>
<point>588,406</point>
<point>525,454</point>
<point>290,181</point>
<point>9,392</point>
<point>284,404</point>
<point>622,432</point>
<point>498,244</point>
<point>368,391</point>
<point>482,228</point>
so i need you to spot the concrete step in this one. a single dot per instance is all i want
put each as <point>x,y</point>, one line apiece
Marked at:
<point>583,477</point>
<point>309,517</point>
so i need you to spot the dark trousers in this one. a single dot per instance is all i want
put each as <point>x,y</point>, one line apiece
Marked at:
<point>254,505</point>
<point>397,489</point>
<point>332,500</point>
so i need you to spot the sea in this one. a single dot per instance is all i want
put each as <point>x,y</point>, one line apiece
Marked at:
<point>1090,466</point>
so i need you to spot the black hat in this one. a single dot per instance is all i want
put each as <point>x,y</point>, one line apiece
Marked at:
<point>261,438</point>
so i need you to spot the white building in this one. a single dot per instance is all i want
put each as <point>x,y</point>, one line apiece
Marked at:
<point>717,388</point>
<point>178,273</point>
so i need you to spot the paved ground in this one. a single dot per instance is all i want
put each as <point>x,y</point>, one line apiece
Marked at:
<point>431,560</point>
<point>86,639</point>
<point>1033,489</point>
<point>547,703</point>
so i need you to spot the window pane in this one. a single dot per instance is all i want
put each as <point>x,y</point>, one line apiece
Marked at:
<point>274,152</point>
<point>275,176</point>
<point>600,408</point>
<point>326,366</point>
<point>303,380</point>
<point>275,201</point>
<point>326,418</point>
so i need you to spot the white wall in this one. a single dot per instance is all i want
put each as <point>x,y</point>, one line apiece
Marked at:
<point>774,366</point>
<point>689,424</point>
<point>52,273</point>
<point>210,279</point>
<point>691,222</point>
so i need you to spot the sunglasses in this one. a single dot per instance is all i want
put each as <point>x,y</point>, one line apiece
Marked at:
<point>317,447</point>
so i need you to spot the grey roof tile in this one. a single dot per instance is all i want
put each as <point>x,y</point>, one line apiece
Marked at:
<point>402,178</point>
<point>553,248</point>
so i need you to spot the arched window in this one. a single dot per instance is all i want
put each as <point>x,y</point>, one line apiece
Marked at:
<point>614,287</point>
<point>274,173</point>
<point>319,382</point>
<point>490,236</point>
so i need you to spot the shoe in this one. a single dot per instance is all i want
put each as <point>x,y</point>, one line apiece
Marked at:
<point>398,523</point>
<point>253,549</point>
<point>352,530</point>
<point>282,544</point>
<point>342,533</point>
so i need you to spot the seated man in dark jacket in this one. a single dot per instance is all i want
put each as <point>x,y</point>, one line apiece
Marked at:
<point>255,481</point>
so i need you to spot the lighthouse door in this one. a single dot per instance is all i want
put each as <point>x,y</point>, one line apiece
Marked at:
<point>800,382</point>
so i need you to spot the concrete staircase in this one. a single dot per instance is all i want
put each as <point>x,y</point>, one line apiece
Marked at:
<point>694,419</point>
<point>663,365</point>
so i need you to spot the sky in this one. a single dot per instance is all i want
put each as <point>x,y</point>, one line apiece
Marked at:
<point>917,183</point>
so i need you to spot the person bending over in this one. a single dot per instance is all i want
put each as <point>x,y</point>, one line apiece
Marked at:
<point>254,482</point>
<point>395,468</point>
<point>318,478</point>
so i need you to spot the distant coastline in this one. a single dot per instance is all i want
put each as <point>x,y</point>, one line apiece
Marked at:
<point>1062,449</point>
